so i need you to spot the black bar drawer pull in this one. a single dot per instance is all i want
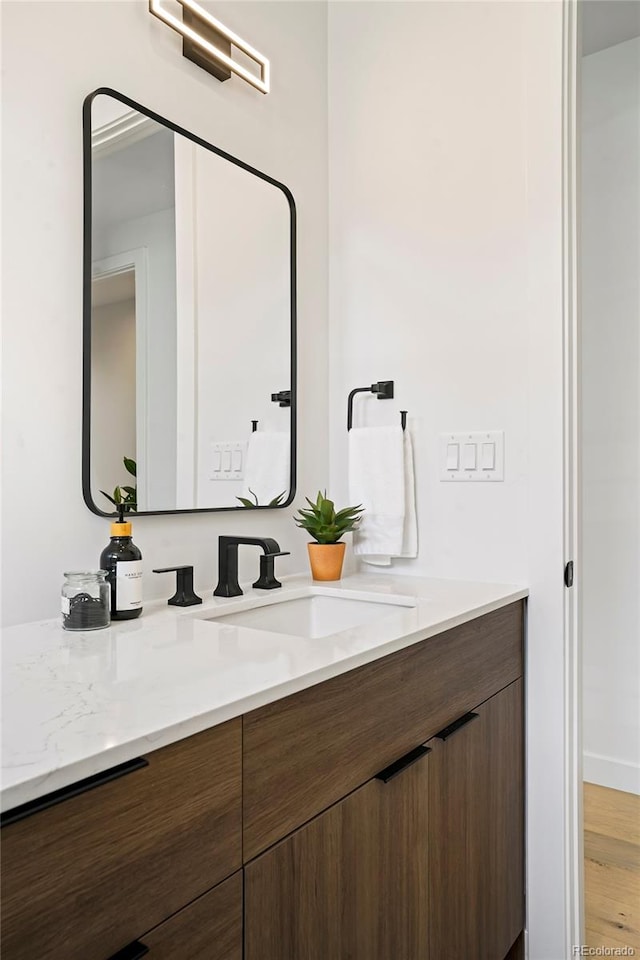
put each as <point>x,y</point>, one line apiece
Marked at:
<point>456,725</point>
<point>399,765</point>
<point>73,790</point>
<point>131,952</point>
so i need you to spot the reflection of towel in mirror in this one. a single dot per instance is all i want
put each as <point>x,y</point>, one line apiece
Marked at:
<point>266,471</point>
<point>381,478</point>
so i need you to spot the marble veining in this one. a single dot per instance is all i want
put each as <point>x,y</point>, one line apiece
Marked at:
<point>74,704</point>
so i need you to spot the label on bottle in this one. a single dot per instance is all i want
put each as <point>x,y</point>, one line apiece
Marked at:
<point>66,606</point>
<point>128,585</point>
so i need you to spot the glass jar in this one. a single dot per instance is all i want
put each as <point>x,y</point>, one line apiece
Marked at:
<point>85,600</point>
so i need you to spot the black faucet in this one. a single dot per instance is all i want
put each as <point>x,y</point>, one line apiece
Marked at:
<point>228,585</point>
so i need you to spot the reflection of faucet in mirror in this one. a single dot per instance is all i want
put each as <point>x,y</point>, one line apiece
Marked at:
<point>228,585</point>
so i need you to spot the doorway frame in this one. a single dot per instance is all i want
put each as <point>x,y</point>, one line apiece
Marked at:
<point>574,829</point>
<point>135,260</point>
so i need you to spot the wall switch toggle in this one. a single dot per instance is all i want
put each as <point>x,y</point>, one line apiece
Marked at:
<point>470,456</point>
<point>453,456</point>
<point>488,456</point>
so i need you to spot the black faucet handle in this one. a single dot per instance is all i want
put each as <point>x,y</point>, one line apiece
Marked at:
<point>184,595</point>
<point>267,579</point>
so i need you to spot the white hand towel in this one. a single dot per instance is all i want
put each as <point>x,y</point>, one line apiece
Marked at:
<point>376,480</point>
<point>381,477</point>
<point>410,529</point>
<point>266,471</point>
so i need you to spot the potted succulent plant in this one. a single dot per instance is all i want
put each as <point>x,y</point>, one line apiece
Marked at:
<point>327,526</point>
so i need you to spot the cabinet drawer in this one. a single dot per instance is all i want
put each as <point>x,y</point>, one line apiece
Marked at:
<point>305,752</point>
<point>83,878</point>
<point>210,928</point>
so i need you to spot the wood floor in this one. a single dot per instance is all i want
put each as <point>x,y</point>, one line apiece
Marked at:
<point>612,867</point>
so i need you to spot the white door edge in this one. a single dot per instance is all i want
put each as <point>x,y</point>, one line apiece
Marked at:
<point>574,849</point>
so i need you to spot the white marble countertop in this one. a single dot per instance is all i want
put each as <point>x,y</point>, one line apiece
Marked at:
<point>74,704</point>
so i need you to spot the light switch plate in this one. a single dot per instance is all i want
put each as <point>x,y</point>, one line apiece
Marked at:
<point>227,460</point>
<point>475,447</point>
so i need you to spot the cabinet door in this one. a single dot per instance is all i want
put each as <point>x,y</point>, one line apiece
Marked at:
<point>476,832</point>
<point>352,883</point>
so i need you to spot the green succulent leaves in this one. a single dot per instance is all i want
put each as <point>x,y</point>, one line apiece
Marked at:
<point>324,523</point>
<point>130,466</point>
<point>250,504</point>
<point>125,495</point>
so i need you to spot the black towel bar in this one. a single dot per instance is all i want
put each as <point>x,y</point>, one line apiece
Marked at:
<point>383,390</point>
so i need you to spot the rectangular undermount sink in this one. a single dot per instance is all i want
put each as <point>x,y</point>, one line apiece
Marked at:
<point>314,616</point>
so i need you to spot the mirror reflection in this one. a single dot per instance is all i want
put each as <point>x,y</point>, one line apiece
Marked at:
<point>188,334</point>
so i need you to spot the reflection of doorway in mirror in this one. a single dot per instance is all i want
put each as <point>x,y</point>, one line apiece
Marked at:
<point>113,380</point>
<point>134,264</point>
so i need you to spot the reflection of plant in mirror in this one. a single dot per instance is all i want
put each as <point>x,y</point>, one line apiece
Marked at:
<point>323,522</point>
<point>125,495</point>
<point>249,504</point>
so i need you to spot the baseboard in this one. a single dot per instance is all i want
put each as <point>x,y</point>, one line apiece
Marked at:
<point>607,772</point>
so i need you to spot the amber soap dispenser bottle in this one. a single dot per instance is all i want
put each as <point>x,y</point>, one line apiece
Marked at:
<point>123,562</point>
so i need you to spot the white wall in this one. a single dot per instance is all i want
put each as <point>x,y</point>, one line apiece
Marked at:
<point>73,48</point>
<point>611,414</point>
<point>445,170</point>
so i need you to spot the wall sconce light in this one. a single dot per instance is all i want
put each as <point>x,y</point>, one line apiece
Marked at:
<point>208,43</point>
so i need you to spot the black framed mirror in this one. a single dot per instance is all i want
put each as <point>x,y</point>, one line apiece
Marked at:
<point>189,320</point>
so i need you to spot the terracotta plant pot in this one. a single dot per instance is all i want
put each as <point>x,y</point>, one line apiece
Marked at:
<point>326,560</point>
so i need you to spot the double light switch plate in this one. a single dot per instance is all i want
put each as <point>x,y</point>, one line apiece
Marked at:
<point>472,457</point>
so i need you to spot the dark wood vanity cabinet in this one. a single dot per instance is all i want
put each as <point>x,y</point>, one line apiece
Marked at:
<point>378,815</point>
<point>423,863</point>
<point>309,750</point>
